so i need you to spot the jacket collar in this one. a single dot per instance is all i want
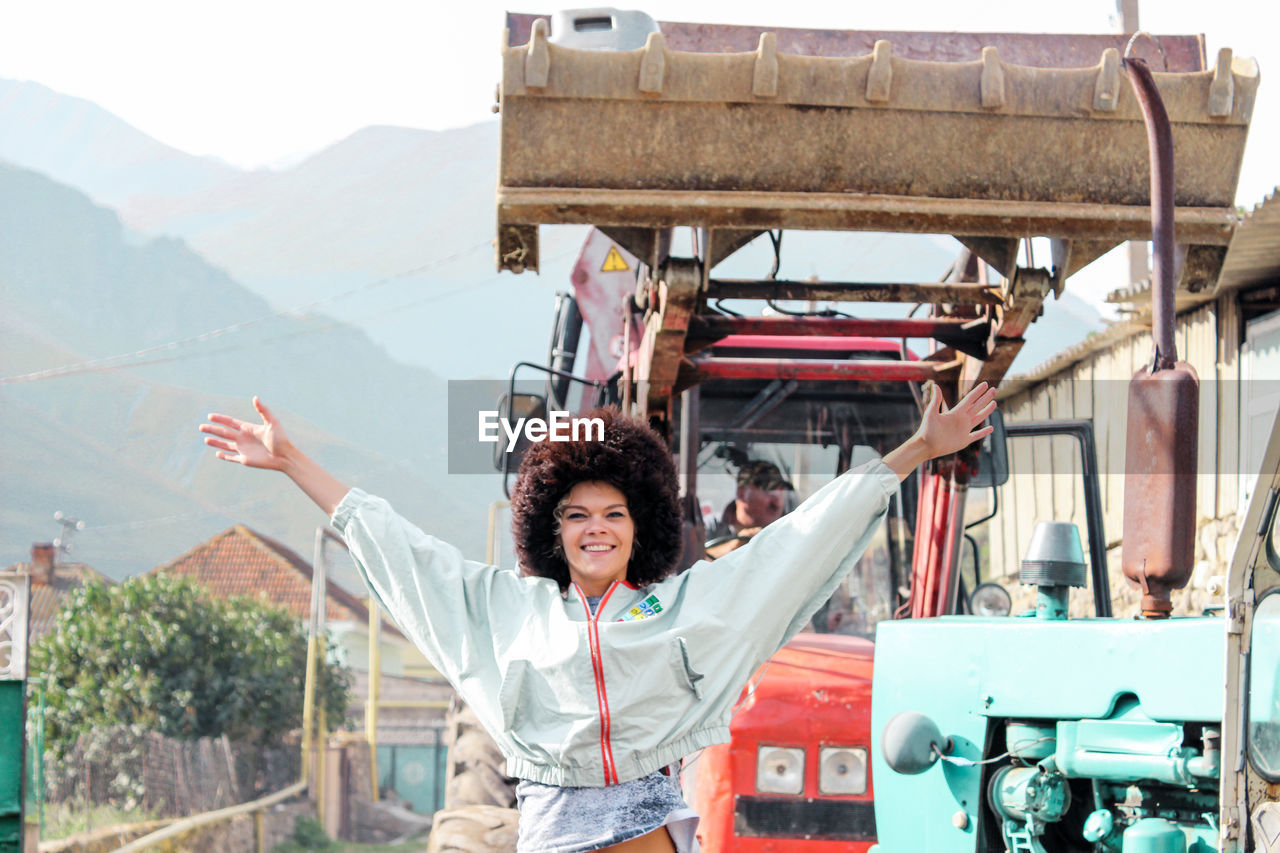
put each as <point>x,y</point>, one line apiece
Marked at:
<point>614,589</point>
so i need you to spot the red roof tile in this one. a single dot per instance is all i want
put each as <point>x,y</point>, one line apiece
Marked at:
<point>240,561</point>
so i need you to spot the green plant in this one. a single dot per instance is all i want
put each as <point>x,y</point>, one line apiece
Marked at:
<point>161,653</point>
<point>308,834</point>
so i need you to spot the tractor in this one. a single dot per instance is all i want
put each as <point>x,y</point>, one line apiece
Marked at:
<point>662,135</point>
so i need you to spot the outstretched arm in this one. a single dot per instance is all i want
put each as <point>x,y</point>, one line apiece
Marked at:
<point>944,430</point>
<point>266,446</point>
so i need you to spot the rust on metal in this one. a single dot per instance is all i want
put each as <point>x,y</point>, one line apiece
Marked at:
<point>1201,266</point>
<point>965,334</point>
<point>701,368</point>
<point>650,245</point>
<point>712,326</point>
<point>666,325</point>
<point>1000,252</point>
<point>720,243</point>
<point>835,291</point>
<point>1164,403</point>
<point>707,129</point>
<point>994,367</point>
<point>1158,551</point>
<point>1027,290</point>
<point>1222,91</point>
<point>1040,50</point>
<point>518,248</point>
<point>1160,150</point>
<point>655,208</point>
<point>1071,256</point>
<point>747,130</point>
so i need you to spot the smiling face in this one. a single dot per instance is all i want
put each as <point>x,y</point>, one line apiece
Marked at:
<point>597,534</point>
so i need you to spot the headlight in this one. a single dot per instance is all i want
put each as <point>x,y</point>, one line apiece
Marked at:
<point>990,599</point>
<point>779,770</point>
<point>842,770</point>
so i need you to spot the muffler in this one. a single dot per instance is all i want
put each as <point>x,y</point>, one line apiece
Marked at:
<point>1164,402</point>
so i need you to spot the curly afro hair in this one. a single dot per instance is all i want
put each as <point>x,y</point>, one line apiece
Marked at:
<point>634,460</point>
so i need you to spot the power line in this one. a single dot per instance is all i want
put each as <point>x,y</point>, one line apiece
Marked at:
<point>228,510</point>
<point>366,474</point>
<point>120,362</point>
<point>131,359</point>
<point>89,367</point>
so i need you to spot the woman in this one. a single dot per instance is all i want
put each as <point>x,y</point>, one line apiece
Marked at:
<point>596,670</point>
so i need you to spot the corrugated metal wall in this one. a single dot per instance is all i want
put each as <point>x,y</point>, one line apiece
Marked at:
<point>1045,482</point>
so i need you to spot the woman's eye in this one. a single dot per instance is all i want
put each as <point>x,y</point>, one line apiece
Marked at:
<point>575,516</point>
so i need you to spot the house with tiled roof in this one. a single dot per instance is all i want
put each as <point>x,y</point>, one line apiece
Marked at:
<point>241,561</point>
<point>52,581</point>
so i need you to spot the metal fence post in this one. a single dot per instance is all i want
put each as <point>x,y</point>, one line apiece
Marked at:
<point>375,689</point>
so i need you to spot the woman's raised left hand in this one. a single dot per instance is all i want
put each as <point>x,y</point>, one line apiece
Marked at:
<point>944,430</point>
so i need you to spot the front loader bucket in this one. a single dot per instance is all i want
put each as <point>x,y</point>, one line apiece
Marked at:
<point>659,137</point>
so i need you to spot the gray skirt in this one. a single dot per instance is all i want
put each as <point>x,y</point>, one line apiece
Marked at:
<point>575,820</point>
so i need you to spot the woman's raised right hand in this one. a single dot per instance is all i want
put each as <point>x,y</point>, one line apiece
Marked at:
<point>263,445</point>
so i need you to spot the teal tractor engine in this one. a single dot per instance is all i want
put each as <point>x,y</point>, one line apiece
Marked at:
<point>1039,736</point>
<point>1035,733</point>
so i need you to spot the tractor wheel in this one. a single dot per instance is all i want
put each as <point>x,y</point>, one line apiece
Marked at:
<point>473,829</point>
<point>476,769</point>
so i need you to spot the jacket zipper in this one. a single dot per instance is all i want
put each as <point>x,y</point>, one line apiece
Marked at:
<point>597,667</point>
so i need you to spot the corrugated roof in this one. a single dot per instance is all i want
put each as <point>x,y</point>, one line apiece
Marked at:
<point>47,599</point>
<point>240,561</point>
<point>1136,298</point>
<point>1254,254</point>
<point>1094,343</point>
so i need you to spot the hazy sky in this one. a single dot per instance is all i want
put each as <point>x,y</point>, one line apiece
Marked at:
<point>266,81</point>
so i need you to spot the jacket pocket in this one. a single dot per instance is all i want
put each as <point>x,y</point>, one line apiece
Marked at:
<point>509,692</point>
<point>543,705</point>
<point>687,676</point>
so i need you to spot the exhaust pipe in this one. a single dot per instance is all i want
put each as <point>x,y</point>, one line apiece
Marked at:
<point>1164,402</point>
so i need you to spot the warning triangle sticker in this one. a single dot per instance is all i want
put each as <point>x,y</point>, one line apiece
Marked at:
<point>614,262</point>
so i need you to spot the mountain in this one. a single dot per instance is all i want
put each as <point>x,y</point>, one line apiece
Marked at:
<point>399,220</point>
<point>391,230</point>
<point>114,442</point>
<point>78,143</point>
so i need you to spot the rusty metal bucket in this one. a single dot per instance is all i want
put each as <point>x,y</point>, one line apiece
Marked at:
<point>765,138</point>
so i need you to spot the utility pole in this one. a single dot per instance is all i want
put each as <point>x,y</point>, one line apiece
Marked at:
<point>1139,262</point>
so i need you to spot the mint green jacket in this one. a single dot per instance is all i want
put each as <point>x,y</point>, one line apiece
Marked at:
<point>576,700</point>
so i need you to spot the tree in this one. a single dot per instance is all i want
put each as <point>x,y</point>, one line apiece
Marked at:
<point>162,653</point>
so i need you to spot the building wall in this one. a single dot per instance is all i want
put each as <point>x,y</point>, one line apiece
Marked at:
<point>1045,481</point>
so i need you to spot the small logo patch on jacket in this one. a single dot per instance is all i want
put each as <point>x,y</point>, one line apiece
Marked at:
<point>649,607</point>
